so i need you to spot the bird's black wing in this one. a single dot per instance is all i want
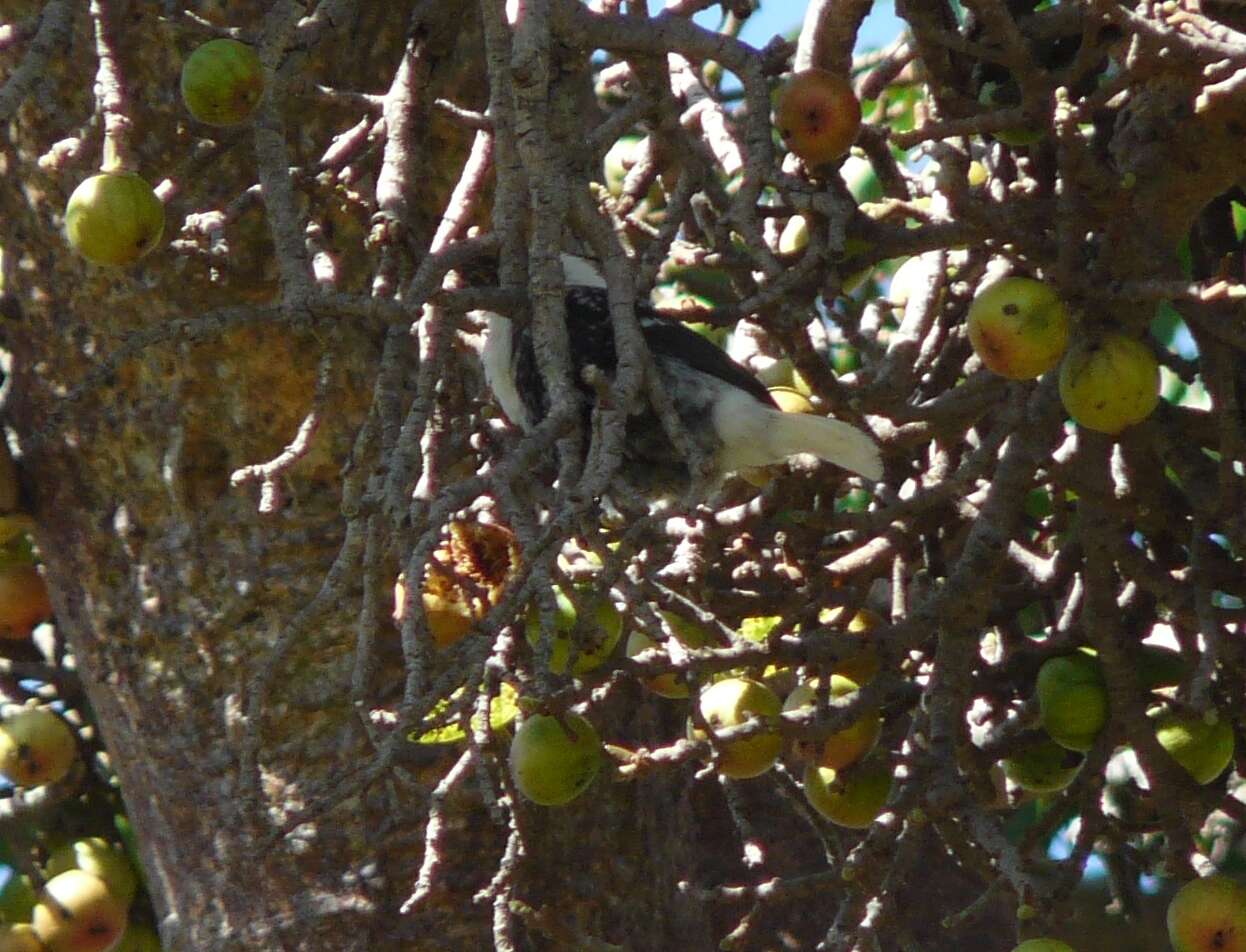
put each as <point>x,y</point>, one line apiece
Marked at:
<point>670,338</point>
<point>591,337</point>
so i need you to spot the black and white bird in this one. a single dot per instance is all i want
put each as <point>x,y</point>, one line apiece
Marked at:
<point>726,410</point>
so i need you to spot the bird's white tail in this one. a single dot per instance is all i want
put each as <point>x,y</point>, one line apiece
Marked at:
<point>832,440</point>
<point>755,434</point>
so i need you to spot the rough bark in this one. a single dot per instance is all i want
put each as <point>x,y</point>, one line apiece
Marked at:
<point>219,645</point>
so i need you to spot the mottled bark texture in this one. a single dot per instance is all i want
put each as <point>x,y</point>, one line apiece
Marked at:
<point>171,589</point>
<point>222,666</point>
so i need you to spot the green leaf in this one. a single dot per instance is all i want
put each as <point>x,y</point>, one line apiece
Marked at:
<point>1032,619</point>
<point>502,710</point>
<point>758,627</point>
<point>1239,219</point>
<point>858,500</point>
<point>1166,323</point>
<point>1038,504</point>
<point>1186,259</point>
<point>17,899</point>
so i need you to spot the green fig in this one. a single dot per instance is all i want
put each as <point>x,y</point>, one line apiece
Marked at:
<point>1072,700</point>
<point>1204,748</point>
<point>114,218</point>
<point>222,82</point>
<point>554,759</point>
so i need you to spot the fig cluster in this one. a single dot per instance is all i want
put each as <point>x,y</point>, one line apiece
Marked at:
<point>114,218</point>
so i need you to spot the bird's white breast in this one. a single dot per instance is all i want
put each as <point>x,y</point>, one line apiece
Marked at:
<point>499,364</point>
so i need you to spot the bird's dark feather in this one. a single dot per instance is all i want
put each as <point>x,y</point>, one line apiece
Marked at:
<point>592,342</point>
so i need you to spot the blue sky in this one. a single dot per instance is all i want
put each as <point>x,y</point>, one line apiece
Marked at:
<point>784,16</point>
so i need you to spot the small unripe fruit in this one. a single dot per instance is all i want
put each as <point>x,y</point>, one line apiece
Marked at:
<point>1044,945</point>
<point>732,702</point>
<point>114,218</point>
<point>818,115</point>
<point>688,634</point>
<point>17,899</point>
<point>24,600</point>
<point>222,82</point>
<point>36,747</point>
<point>664,685</point>
<point>19,938</point>
<point>795,235</point>
<point>1043,767</point>
<point>1208,915</point>
<point>95,855</point>
<point>852,798</point>
<point>862,181</point>
<point>1109,384</point>
<point>618,161</point>
<point>1072,700</point>
<point>848,745</point>
<point>864,665</point>
<point>1203,749</point>
<point>608,630</point>
<point>553,760</point>
<point>77,913</point>
<point>791,400</point>
<point>1160,667</point>
<point>1018,327</point>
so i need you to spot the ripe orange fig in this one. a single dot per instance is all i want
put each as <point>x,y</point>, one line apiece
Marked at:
<point>1208,915</point>
<point>24,600</point>
<point>463,580</point>
<point>817,115</point>
<point>36,747</point>
<point>77,913</point>
<point>95,855</point>
<point>114,218</point>
<point>1018,327</point>
<point>1109,383</point>
<point>222,82</point>
<point>449,618</point>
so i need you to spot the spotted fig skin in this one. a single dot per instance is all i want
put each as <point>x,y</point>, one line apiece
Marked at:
<point>1019,328</point>
<point>817,115</point>
<point>553,761</point>
<point>222,82</point>
<point>114,218</point>
<point>1208,914</point>
<point>1110,383</point>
